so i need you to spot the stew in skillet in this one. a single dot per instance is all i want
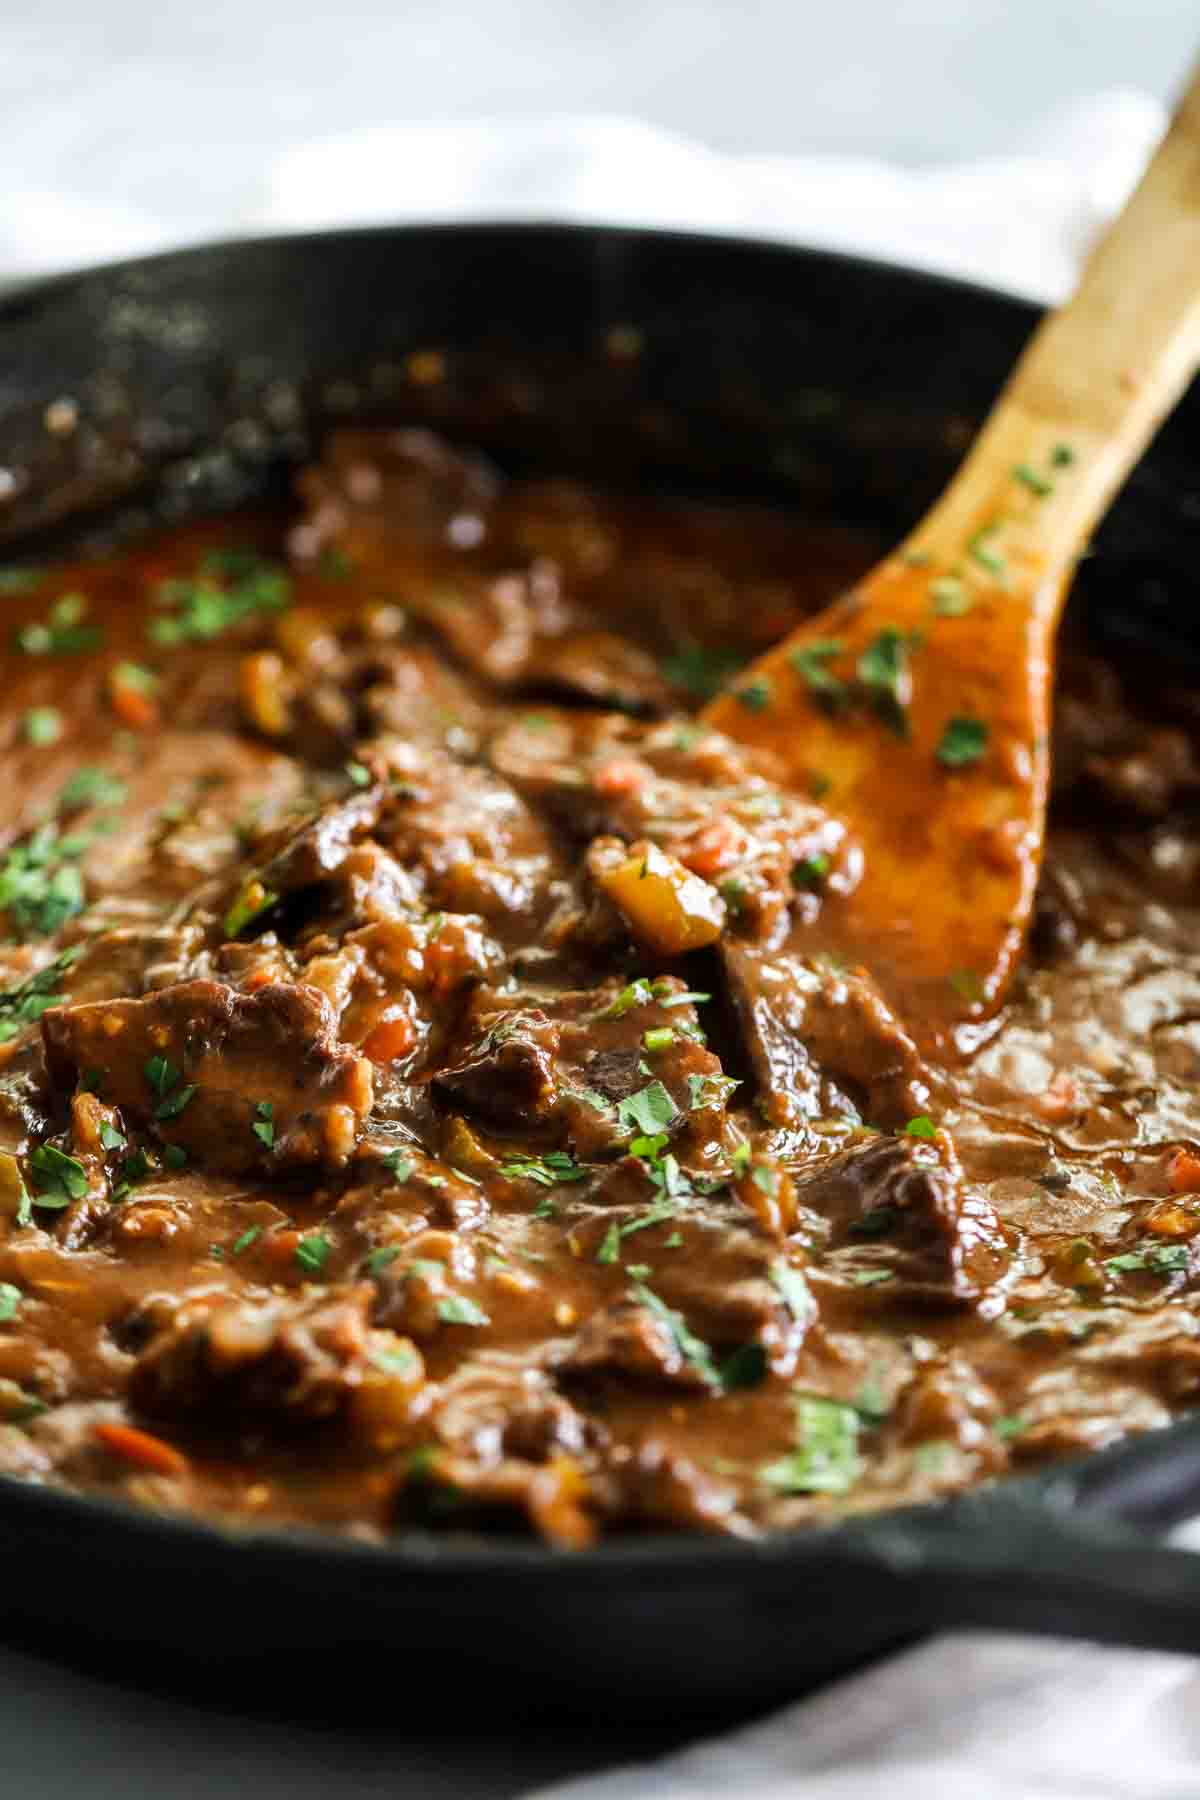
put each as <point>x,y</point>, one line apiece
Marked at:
<point>420,1095</point>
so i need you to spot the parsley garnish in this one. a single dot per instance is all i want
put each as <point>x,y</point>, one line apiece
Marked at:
<point>312,1252</point>
<point>661,1038</point>
<point>250,1236</point>
<point>826,1460</point>
<point>702,672</point>
<point>755,696</point>
<point>1029,477</point>
<point>810,871</point>
<point>548,1171</point>
<point>810,663</point>
<point>263,1126</point>
<point>649,1110</point>
<point>951,598</point>
<point>379,1259</point>
<point>10,1299</point>
<point>456,1309</point>
<point>173,1105</point>
<point>91,787</point>
<point>1011,1426</point>
<point>59,1178</point>
<point>982,550</point>
<point>397,1163</point>
<point>253,900</point>
<point>161,1074</point>
<point>638,993</point>
<point>871,1277</point>
<point>1163,1259</point>
<point>43,725</point>
<point>963,742</point>
<point>40,886</point>
<point>881,670</point>
<point>231,586</point>
<point>24,1004</point>
<point>63,632</point>
<point>1062,455</point>
<point>693,1349</point>
<point>921,1127</point>
<point>360,776</point>
<point>111,1138</point>
<point>710,1090</point>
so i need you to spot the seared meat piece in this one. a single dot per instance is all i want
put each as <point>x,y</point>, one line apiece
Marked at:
<point>653,1486</point>
<point>631,1342</point>
<point>297,1360</point>
<point>906,1198</point>
<point>822,1041</point>
<point>369,489</point>
<point>240,1081</point>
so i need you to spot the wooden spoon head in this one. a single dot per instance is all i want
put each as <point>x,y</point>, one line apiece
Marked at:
<point>916,709</point>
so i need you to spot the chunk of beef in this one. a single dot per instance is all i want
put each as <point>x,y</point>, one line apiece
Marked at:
<point>906,1199</point>
<point>373,491</point>
<point>632,1343</point>
<point>240,1081</point>
<point>297,1360</point>
<point>822,1041</point>
<point>652,1485</point>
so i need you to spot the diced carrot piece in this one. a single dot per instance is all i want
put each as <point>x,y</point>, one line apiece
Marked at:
<point>132,704</point>
<point>278,1248</point>
<point>1183,1172</point>
<point>140,1448</point>
<point>391,1039</point>
<point>713,849</point>
<point>1168,1220</point>
<point>620,775</point>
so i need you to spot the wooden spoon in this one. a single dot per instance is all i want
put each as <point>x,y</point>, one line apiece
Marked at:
<point>917,706</point>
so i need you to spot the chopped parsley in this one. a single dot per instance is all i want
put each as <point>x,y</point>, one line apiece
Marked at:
<point>755,696</point>
<point>982,549</point>
<point>58,1178</point>
<point>661,1038</point>
<point>174,1104</point>
<point>610,1244</point>
<point>810,871</point>
<point>359,775</point>
<point>1163,1259</point>
<point>826,1460</point>
<point>253,900</point>
<point>379,1259</point>
<point>456,1309</point>
<point>650,1110</point>
<point>24,1004</point>
<point>312,1252</point>
<point>16,580</point>
<point>161,1074</point>
<point>403,1362</point>
<point>745,1367</point>
<point>111,1138</point>
<point>871,1277</point>
<point>1062,456</point>
<point>399,1164</point>
<point>637,993</point>
<point>967,985</point>
<point>710,1090</point>
<point>229,587</point>
<point>921,1127</point>
<point>548,1171</point>
<point>1029,477</point>
<point>90,786</point>
<point>263,1125</point>
<point>951,597</point>
<point>703,672</point>
<point>250,1236</point>
<point>63,633</point>
<point>40,884</point>
<point>43,725</point>
<point>10,1299</point>
<point>175,1156</point>
<point>811,664</point>
<point>693,1349</point>
<point>882,670</point>
<point>1011,1426</point>
<point>963,742</point>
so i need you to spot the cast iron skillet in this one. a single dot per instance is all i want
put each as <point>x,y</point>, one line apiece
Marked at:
<point>817,380</point>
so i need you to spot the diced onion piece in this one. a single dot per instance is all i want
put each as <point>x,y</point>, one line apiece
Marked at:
<point>668,909</point>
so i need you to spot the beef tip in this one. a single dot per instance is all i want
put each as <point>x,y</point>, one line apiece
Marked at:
<point>240,1081</point>
<point>604,669</point>
<point>652,1485</point>
<point>509,1075</point>
<point>615,1073</point>
<point>371,492</point>
<point>299,1360</point>
<point>907,1200</point>
<point>822,1041</point>
<point>312,852</point>
<point>630,1341</point>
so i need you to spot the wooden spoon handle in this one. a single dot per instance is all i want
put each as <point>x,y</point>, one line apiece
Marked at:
<point>1096,378</point>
